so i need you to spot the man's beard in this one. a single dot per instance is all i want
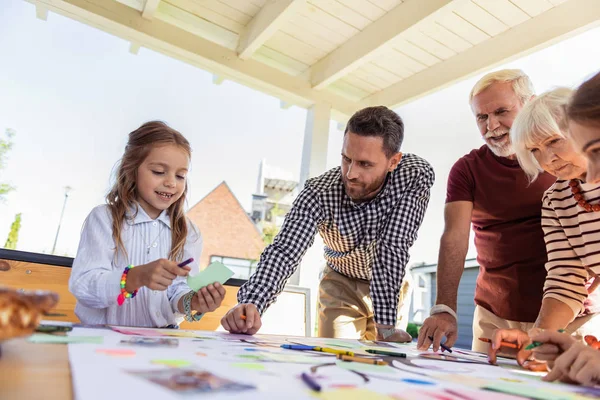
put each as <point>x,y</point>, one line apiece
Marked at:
<point>361,192</point>
<point>504,149</point>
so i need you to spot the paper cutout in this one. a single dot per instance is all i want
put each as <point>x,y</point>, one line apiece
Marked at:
<point>366,368</point>
<point>117,352</point>
<point>190,382</point>
<point>215,272</point>
<point>55,339</point>
<point>351,394</point>
<point>172,363</point>
<point>529,392</point>
<point>251,366</point>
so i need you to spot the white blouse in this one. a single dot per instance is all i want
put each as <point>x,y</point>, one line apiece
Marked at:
<point>95,277</point>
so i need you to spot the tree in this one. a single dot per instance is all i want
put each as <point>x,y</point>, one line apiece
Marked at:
<point>13,235</point>
<point>6,145</point>
<point>270,229</point>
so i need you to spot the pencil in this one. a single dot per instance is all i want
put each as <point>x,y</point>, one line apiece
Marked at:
<point>386,353</point>
<point>310,382</point>
<point>503,344</point>
<point>333,351</point>
<point>363,360</point>
<point>448,349</point>
<point>186,262</point>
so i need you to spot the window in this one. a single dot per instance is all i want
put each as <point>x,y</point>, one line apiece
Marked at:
<point>242,268</point>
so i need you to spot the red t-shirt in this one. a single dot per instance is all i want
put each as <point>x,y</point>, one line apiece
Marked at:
<point>508,235</point>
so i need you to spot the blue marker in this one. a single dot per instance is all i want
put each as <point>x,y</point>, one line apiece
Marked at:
<point>311,382</point>
<point>297,347</point>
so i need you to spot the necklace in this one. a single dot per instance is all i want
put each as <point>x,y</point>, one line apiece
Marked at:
<point>576,190</point>
<point>149,244</point>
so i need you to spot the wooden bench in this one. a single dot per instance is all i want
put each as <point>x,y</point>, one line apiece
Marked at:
<point>32,271</point>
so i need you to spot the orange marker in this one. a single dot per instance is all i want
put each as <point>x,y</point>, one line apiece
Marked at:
<point>503,344</point>
<point>243,317</point>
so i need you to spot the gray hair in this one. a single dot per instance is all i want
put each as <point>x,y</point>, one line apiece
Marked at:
<point>541,118</point>
<point>521,83</point>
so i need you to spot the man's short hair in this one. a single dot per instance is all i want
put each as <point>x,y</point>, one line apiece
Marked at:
<point>541,118</point>
<point>521,83</point>
<point>379,121</point>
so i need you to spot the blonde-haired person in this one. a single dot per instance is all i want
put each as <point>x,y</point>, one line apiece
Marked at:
<point>570,223</point>
<point>144,225</point>
<point>507,228</point>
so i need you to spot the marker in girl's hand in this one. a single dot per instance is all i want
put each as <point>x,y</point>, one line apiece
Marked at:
<point>243,317</point>
<point>186,262</point>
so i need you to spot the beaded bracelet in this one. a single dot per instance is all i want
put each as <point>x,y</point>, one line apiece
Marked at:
<point>592,341</point>
<point>187,308</point>
<point>124,293</point>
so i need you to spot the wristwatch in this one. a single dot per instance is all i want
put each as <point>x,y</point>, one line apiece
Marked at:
<point>386,332</point>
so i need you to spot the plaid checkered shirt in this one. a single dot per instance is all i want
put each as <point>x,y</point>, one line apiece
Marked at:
<point>368,241</point>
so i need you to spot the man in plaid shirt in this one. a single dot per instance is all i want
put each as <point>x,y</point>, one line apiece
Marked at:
<point>368,212</point>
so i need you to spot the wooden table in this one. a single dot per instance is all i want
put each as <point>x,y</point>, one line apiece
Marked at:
<point>34,371</point>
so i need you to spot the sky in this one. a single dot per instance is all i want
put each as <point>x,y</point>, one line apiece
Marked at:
<point>72,93</point>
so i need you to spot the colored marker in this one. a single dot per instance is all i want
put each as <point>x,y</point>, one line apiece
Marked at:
<point>537,344</point>
<point>333,351</point>
<point>363,360</point>
<point>296,347</point>
<point>503,344</point>
<point>186,262</point>
<point>310,382</point>
<point>243,317</point>
<point>448,349</point>
<point>386,353</point>
<point>533,345</point>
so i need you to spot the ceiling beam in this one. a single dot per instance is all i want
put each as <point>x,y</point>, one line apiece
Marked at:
<point>567,19</point>
<point>150,8</point>
<point>265,23</point>
<point>127,23</point>
<point>363,47</point>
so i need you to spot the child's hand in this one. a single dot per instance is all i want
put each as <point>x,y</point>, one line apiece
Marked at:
<point>517,336</point>
<point>157,275</point>
<point>573,361</point>
<point>208,298</point>
<point>243,318</point>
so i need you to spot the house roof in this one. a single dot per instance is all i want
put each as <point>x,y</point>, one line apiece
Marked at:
<point>225,227</point>
<point>346,53</point>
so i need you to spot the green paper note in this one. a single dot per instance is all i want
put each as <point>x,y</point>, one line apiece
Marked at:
<point>251,366</point>
<point>366,368</point>
<point>173,363</point>
<point>215,272</point>
<point>530,392</point>
<point>43,338</point>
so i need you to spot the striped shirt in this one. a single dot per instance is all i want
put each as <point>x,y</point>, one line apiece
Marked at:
<point>95,278</point>
<point>368,241</point>
<point>572,238</point>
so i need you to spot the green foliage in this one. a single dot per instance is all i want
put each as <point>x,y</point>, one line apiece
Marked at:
<point>270,229</point>
<point>13,235</point>
<point>6,145</point>
<point>413,329</point>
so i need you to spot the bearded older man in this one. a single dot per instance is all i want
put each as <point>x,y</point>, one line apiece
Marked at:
<point>488,189</point>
